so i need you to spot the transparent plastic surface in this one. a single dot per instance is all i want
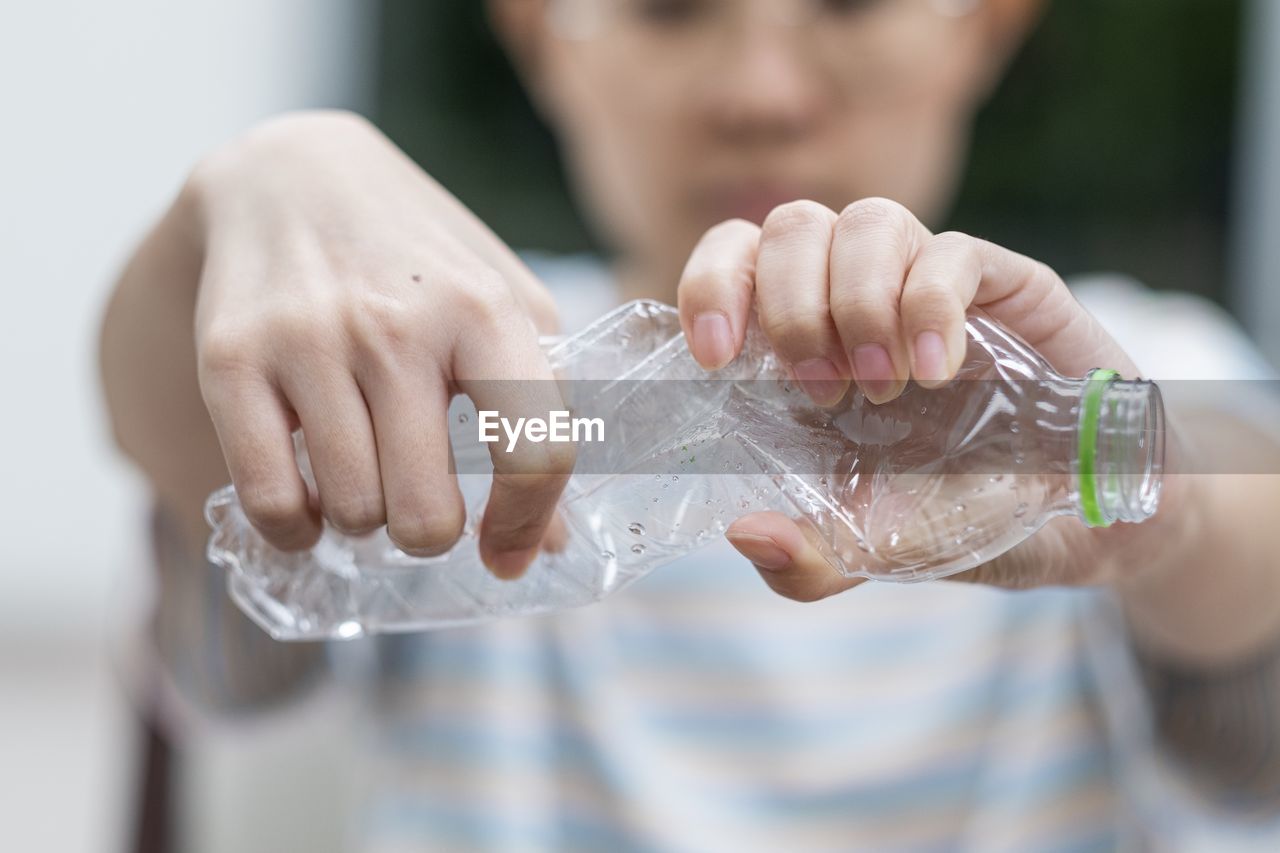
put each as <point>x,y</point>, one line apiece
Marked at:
<point>931,484</point>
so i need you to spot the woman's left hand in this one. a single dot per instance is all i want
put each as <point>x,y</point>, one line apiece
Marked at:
<point>870,296</point>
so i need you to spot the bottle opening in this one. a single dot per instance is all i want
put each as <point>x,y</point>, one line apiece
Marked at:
<point>1121,450</point>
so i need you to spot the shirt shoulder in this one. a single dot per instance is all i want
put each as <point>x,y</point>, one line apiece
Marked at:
<point>1171,335</point>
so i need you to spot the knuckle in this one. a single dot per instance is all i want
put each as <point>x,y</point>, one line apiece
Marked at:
<point>276,512</point>
<point>226,349</point>
<point>431,532</point>
<point>730,228</point>
<point>512,536</point>
<point>483,297</point>
<point>796,587</point>
<point>358,514</point>
<point>791,330</point>
<point>954,242</point>
<point>1039,271</point>
<point>809,594</point>
<point>540,467</point>
<point>377,320</point>
<point>712,282</point>
<point>877,215</point>
<point>560,460</point>
<point>301,330</point>
<point>932,299</point>
<point>859,308</point>
<point>804,217</point>
<point>542,308</point>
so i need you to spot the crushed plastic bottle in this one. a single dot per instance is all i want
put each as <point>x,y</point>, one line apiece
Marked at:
<point>933,483</point>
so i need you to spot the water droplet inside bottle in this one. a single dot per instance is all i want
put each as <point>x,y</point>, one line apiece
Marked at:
<point>997,478</point>
<point>958,508</point>
<point>924,410</point>
<point>1019,459</point>
<point>970,529</point>
<point>737,467</point>
<point>675,478</point>
<point>462,418</point>
<point>894,539</point>
<point>636,527</point>
<point>608,555</point>
<point>637,548</point>
<point>1020,511</point>
<point>1015,427</point>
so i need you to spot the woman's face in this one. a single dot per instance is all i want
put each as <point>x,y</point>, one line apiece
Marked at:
<point>677,114</point>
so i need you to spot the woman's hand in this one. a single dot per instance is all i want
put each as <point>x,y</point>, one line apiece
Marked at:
<point>345,292</point>
<point>870,296</point>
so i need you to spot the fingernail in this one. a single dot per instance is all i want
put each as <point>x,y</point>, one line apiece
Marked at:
<point>761,550</point>
<point>821,381</point>
<point>931,357</point>
<point>712,343</point>
<point>509,565</point>
<point>873,368</point>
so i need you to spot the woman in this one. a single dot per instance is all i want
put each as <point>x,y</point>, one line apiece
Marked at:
<point>738,154</point>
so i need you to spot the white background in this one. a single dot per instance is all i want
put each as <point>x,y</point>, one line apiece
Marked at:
<point>104,105</point>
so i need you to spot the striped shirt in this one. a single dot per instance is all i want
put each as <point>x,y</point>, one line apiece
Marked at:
<point>698,711</point>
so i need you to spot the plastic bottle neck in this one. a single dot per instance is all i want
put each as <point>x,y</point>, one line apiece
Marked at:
<point>1120,456</point>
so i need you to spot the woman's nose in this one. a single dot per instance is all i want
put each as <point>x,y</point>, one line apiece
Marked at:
<point>763,89</point>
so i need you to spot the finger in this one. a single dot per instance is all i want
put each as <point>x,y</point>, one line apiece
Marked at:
<point>876,241</point>
<point>425,509</point>
<point>1062,553</point>
<point>340,441</point>
<point>792,282</point>
<point>1028,297</point>
<point>942,283</point>
<point>715,292</point>
<point>499,364</point>
<point>556,538</point>
<point>253,425</point>
<point>787,561</point>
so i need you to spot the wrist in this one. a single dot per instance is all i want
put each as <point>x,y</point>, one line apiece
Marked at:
<point>283,157</point>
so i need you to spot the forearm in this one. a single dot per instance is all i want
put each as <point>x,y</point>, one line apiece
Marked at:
<point>217,658</point>
<point>148,367</point>
<point>147,360</point>
<point>1206,624</point>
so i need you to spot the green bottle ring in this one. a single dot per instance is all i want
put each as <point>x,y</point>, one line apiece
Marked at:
<point>1098,380</point>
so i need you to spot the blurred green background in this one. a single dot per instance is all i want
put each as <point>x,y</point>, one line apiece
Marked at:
<point>1108,147</point>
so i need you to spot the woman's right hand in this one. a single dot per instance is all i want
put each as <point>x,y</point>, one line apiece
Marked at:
<point>345,292</point>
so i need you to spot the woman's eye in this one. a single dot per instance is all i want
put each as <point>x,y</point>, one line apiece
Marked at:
<point>671,13</point>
